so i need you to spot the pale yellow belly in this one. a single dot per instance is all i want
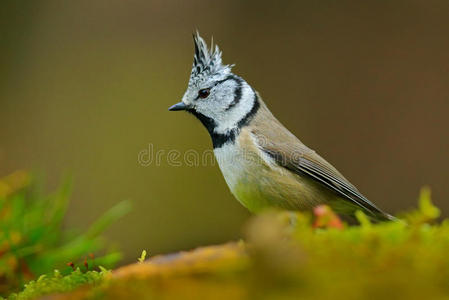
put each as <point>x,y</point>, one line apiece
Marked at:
<point>259,184</point>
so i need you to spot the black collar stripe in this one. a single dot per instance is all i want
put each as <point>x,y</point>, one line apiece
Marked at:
<point>219,139</point>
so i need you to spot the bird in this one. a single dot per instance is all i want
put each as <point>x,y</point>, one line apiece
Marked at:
<point>263,163</point>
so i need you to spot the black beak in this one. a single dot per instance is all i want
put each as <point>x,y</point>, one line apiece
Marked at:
<point>178,106</point>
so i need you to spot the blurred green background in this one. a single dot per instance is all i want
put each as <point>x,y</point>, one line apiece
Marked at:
<point>85,87</point>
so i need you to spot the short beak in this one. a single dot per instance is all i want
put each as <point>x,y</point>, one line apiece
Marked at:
<point>178,106</point>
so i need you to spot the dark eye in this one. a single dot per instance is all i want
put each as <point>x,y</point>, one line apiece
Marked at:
<point>203,93</point>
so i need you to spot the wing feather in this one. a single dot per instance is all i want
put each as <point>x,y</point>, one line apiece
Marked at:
<point>329,178</point>
<point>290,153</point>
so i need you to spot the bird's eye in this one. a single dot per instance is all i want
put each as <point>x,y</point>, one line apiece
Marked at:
<point>203,93</point>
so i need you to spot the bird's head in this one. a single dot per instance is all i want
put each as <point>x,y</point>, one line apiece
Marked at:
<point>216,96</point>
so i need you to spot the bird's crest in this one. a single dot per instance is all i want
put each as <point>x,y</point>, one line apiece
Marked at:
<point>207,62</point>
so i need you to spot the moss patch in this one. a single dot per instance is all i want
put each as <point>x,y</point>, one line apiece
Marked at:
<point>288,255</point>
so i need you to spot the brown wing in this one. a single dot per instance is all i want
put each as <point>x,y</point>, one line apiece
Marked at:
<point>289,153</point>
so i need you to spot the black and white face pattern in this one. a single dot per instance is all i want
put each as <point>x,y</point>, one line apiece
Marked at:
<point>222,101</point>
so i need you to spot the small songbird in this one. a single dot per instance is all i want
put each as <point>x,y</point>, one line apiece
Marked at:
<point>263,163</point>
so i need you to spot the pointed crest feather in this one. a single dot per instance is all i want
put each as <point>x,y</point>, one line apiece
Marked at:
<point>206,61</point>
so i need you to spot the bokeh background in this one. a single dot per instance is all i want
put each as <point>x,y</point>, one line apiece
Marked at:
<point>85,87</point>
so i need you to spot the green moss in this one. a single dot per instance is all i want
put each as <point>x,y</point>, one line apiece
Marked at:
<point>290,255</point>
<point>58,283</point>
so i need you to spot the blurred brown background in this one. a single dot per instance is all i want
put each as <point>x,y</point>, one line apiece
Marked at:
<point>85,86</point>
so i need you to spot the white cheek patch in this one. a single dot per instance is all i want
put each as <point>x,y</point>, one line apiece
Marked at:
<point>214,106</point>
<point>228,119</point>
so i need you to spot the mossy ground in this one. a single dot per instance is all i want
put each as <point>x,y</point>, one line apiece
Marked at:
<point>290,255</point>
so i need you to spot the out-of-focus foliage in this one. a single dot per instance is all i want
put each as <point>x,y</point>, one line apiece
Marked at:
<point>32,238</point>
<point>290,255</point>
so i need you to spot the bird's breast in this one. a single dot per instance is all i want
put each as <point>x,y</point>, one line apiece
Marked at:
<point>258,182</point>
<point>234,163</point>
<point>251,178</point>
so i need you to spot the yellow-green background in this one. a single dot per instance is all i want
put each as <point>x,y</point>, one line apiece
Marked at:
<point>85,86</point>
